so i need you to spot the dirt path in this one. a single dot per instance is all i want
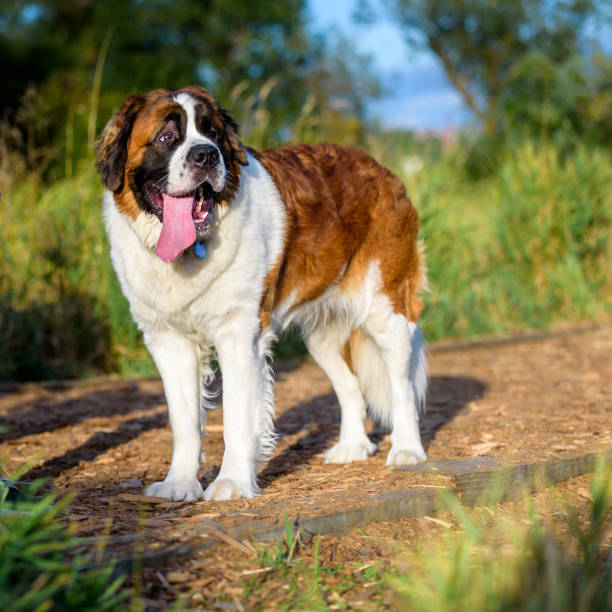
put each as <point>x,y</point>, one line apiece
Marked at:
<point>103,440</point>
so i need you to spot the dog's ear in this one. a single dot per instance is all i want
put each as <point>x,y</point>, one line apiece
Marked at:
<point>231,129</point>
<point>111,148</point>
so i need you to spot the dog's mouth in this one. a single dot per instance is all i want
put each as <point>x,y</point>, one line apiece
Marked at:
<point>183,216</point>
<point>202,198</point>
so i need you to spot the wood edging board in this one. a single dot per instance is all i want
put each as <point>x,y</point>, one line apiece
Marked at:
<point>478,481</point>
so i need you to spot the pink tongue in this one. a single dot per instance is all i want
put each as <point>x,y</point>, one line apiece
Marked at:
<point>178,230</point>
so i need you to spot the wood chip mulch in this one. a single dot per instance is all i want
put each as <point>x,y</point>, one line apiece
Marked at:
<point>103,440</point>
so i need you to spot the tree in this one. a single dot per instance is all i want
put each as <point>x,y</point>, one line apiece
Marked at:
<point>55,46</point>
<point>517,60</point>
<point>78,59</point>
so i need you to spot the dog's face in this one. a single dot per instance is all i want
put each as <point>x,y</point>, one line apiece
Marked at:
<point>172,155</point>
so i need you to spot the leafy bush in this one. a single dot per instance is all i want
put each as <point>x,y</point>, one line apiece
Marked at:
<point>61,310</point>
<point>526,247</point>
<point>552,228</point>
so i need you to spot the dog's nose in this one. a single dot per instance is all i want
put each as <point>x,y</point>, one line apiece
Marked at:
<point>202,154</point>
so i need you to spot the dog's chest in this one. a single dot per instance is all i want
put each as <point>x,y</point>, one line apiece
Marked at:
<point>194,296</point>
<point>192,301</point>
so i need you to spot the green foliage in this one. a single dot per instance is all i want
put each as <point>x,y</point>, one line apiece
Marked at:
<point>519,65</point>
<point>154,44</point>
<point>498,566</point>
<point>61,310</point>
<point>69,65</point>
<point>525,247</point>
<point>41,567</point>
<point>528,246</point>
<point>553,228</point>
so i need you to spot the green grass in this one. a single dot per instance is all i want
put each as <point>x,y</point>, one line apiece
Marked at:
<point>514,559</point>
<point>525,246</point>
<point>61,310</point>
<point>41,566</point>
<point>498,565</point>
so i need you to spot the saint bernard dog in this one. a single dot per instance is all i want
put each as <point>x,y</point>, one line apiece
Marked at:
<point>218,247</point>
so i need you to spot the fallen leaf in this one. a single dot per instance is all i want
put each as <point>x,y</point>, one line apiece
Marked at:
<point>178,576</point>
<point>483,448</point>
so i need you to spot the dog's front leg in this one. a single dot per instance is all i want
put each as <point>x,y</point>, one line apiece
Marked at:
<point>176,359</point>
<point>243,402</point>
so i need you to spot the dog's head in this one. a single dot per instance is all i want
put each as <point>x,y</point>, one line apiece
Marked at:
<point>173,156</point>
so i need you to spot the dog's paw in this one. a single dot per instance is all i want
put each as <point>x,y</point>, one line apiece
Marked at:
<point>222,489</point>
<point>176,490</point>
<point>347,452</point>
<point>405,456</point>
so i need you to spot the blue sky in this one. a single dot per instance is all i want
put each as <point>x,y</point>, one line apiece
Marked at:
<point>418,93</point>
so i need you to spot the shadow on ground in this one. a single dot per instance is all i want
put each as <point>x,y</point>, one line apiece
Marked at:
<point>97,445</point>
<point>313,426</point>
<point>46,415</point>
<point>319,419</point>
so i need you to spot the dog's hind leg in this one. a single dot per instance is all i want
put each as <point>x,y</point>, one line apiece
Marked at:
<point>401,348</point>
<point>325,345</point>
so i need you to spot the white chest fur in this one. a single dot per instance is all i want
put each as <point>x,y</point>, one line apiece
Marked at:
<point>195,296</point>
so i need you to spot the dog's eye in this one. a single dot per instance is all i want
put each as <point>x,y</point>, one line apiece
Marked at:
<point>166,137</point>
<point>169,133</point>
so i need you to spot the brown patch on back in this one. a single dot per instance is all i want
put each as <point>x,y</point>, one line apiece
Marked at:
<point>344,211</point>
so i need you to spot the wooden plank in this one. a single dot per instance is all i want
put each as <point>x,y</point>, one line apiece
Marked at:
<point>487,480</point>
<point>512,482</point>
<point>382,507</point>
<point>478,481</point>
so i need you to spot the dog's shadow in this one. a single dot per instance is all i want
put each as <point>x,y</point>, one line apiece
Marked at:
<point>319,419</point>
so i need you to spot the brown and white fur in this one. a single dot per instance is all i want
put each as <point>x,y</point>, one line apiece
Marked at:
<point>316,235</point>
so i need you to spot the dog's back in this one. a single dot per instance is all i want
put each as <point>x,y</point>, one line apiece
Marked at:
<point>344,211</point>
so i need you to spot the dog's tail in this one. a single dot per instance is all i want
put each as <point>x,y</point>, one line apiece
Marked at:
<point>369,367</point>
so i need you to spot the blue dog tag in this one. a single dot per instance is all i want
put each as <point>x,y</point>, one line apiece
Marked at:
<point>200,249</point>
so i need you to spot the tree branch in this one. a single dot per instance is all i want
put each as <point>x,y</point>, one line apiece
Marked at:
<point>458,82</point>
